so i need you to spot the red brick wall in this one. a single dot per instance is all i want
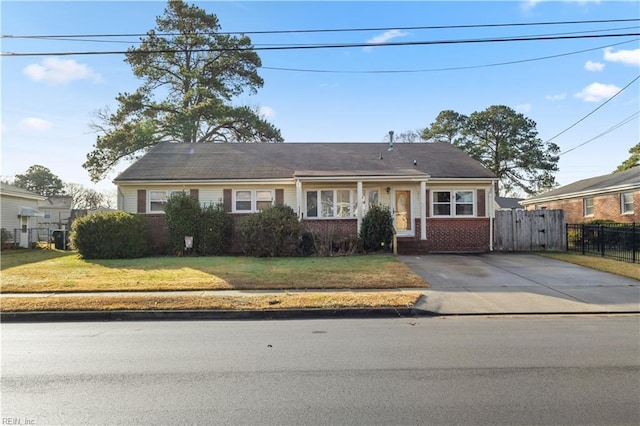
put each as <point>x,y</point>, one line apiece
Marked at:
<point>606,207</point>
<point>158,233</point>
<point>448,235</point>
<point>443,235</point>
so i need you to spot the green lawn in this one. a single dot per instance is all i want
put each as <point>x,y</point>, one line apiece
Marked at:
<point>55,271</point>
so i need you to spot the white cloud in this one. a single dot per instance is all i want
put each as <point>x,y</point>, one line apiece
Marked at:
<point>385,37</point>
<point>530,4</point>
<point>556,97</point>
<point>523,107</point>
<point>627,57</point>
<point>60,71</point>
<point>593,66</point>
<point>595,92</point>
<point>267,112</point>
<point>34,123</point>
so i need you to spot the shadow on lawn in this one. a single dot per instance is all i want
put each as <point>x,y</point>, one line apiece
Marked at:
<point>11,258</point>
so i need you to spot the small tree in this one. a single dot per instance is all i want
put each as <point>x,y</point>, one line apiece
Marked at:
<point>183,218</point>
<point>377,231</point>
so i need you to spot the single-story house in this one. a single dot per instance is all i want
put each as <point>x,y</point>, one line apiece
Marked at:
<point>440,198</point>
<point>57,211</point>
<point>615,196</point>
<point>19,213</point>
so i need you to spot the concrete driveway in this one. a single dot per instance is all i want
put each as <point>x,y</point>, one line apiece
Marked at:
<point>519,283</point>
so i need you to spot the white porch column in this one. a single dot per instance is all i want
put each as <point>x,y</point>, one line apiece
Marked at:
<point>360,205</point>
<point>423,210</point>
<point>299,198</point>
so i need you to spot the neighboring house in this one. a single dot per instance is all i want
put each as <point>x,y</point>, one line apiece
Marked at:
<point>508,203</point>
<point>440,198</point>
<point>19,213</point>
<point>57,211</point>
<point>614,196</point>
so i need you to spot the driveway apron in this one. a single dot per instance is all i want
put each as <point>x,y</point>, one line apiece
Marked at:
<point>519,283</point>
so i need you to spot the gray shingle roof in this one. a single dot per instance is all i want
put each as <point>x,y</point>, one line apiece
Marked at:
<point>509,202</point>
<point>214,161</point>
<point>602,183</point>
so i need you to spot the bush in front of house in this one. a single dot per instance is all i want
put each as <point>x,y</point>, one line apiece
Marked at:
<point>182,213</point>
<point>273,232</point>
<point>6,237</point>
<point>376,232</point>
<point>215,230</point>
<point>109,235</point>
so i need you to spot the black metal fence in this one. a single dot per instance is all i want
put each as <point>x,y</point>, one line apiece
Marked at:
<point>615,241</point>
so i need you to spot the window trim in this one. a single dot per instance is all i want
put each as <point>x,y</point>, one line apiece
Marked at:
<point>453,203</point>
<point>353,200</point>
<point>167,194</point>
<point>254,199</point>
<point>585,212</point>
<point>622,203</point>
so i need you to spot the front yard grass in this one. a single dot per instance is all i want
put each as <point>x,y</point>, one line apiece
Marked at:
<point>625,269</point>
<point>40,271</point>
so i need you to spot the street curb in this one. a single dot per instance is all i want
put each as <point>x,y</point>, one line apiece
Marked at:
<point>182,315</point>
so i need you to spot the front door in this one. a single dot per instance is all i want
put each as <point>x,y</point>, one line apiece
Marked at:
<point>402,212</point>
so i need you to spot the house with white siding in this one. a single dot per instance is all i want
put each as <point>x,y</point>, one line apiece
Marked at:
<point>20,213</point>
<point>441,199</point>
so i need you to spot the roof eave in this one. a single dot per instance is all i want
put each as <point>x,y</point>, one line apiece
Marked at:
<point>580,194</point>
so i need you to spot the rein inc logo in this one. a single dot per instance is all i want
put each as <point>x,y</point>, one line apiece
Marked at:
<point>18,421</point>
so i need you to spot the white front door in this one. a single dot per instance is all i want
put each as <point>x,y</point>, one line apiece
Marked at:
<point>402,212</point>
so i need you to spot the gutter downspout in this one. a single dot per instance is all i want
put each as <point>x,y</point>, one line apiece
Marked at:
<point>359,204</point>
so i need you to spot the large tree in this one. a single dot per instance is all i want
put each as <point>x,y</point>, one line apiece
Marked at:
<point>447,127</point>
<point>632,161</point>
<point>507,143</point>
<point>191,73</point>
<point>40,180</point>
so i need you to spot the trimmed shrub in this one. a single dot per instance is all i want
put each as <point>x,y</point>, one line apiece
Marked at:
<point>109,235</point>
<point>273,232</point>
<point>183,219</point>
<point>215,231</point>
<point>376,232</point>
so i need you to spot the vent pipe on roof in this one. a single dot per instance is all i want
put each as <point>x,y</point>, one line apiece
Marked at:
<point>390,141</point>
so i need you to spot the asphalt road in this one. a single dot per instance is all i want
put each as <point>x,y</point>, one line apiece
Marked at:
<point>458,370</point>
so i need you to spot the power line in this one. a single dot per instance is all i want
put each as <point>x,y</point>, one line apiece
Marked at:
<point>448,68</point>
<point>331,46</point>
<point>85,40</point>
<point>599,106</point>
<point>627,120</point>
<point>334,30</point>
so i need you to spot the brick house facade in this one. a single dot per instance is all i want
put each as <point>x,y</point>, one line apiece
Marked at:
<point>441,199</point>
<point>610,197</point>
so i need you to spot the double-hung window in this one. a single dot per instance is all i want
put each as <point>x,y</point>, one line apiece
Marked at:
<point>588,206</point>
<point>457,203</point>
<point>626,202</point>
<point>252,200</point>
<point>158,200</point>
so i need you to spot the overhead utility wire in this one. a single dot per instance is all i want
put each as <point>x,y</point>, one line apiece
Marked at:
<point>331,46</point>
<point>520,61</point>
<point>334,30</point>
<point>83,40</point>
<point>599,106</point>
<point>626,121</point>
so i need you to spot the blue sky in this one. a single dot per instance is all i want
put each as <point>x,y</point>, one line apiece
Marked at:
<point>48,101</point>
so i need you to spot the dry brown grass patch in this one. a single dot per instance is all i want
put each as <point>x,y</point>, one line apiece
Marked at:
<point>151,302</point>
